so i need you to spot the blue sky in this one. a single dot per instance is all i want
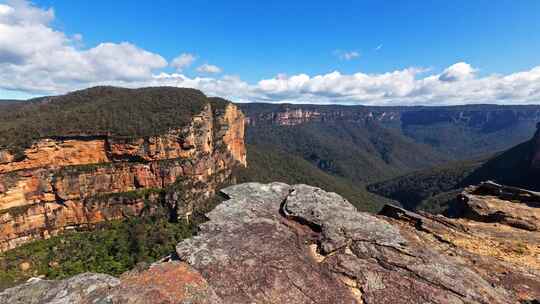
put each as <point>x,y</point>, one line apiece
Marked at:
<point>250,42</point>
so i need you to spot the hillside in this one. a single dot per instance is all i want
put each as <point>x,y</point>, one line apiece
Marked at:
<point>465,132</point>
<point>517,166</point>
<point>109,154</point>
<point>360,152</point>
<point>428,189</point>
<point>420,156</point>
<point>267,165</point>
<point>8,101</point>
<point>433,189</point>
<point>455,132</point>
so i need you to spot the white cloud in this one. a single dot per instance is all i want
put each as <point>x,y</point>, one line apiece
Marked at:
<point>35,58</point>
<point>21,12</point>
<point>379,47</point>
<point>5,9</point>
<point>209,69</point>
<point>458,71</point>
<point>346,55</point>
<point>182,61</point>
<point>405,87</point>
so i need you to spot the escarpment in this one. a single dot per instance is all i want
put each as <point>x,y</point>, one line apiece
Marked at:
<point>277,243</point>
<point>456,132</point>
<point>66,182</point>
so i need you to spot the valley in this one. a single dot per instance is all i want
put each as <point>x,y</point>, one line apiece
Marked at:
<point>269,152</point>
<point>88,176</point>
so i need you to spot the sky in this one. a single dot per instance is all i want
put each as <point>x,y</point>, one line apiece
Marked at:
<point>346,52</point>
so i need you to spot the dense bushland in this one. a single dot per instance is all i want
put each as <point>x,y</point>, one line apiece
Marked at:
<point>100,111</point>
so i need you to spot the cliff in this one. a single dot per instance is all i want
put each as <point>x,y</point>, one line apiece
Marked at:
<point>485,117</point>
<point>68,182</point>
<point>276,243</point>
<point>458,132</point>
<point>291,115</point>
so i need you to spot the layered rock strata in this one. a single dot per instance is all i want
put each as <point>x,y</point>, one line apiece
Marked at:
<point>72,182</point>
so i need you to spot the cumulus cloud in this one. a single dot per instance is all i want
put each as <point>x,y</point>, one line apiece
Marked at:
<point>346,55</point>
<point>182,61</point>
<point>21,12</point>
<point>209,69</point>
<point>35,58</point>
<point>458,71</point>
<point>455,85</point>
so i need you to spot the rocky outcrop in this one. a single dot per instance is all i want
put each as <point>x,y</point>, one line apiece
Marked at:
<point>71,182</point>
<point>275,243</point>
<point>166,283</point>
<point>512,206</point>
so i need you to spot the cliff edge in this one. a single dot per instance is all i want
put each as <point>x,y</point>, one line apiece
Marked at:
<point>276,243</point>
<point>82,175</point>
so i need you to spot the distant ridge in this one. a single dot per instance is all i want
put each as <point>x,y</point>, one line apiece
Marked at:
<point>458,132</point>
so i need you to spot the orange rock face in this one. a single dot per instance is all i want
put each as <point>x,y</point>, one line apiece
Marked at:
<point>49,152</point>
<point>66,183</point>
<point>234,135</point>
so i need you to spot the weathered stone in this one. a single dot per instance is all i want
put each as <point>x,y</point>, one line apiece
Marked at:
<point>167,283</point>
<point>401,257</point>
<point>77,289</point>
<point>275,243</point>
<point>490,202</point>
<point>250,253</point>
<point>339,222</point>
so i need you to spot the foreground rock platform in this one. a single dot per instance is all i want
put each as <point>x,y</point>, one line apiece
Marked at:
<point>276,243</point>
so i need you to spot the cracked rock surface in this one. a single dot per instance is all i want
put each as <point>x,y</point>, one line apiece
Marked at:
<point>276,243</point>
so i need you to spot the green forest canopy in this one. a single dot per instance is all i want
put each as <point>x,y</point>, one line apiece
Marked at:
<point>99,111</point>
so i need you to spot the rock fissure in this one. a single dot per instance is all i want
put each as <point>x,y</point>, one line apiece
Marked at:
<point>391,266</point>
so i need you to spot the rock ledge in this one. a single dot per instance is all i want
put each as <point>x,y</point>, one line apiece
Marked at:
<point>276,243</point>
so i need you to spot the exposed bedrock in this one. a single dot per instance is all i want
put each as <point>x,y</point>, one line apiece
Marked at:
<point>276,243</point>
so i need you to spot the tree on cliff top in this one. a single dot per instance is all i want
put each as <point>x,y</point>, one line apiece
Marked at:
<point>100,110</point>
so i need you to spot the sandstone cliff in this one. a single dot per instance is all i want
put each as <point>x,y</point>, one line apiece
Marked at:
<point>485,117</point>
<point>70,182</point>
<point>458,132</point>
<point>291,115</point>
<point>277,243</point>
